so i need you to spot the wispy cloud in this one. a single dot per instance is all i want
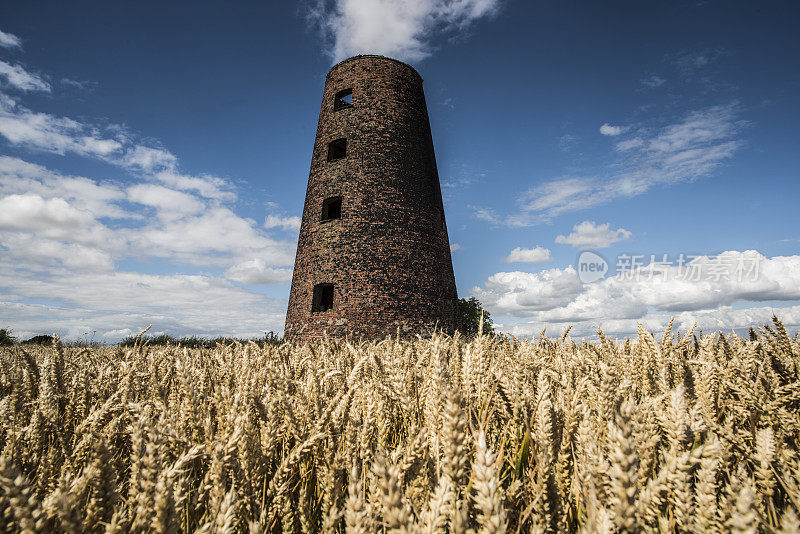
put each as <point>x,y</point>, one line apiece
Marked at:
<point>590,235</point>
<point>402,29</point>
<point>205,185</point>
<point>460,177</point>
<point>692,61</point>
<point>567,142</point>
<point>653,81</point>
<point>22,80</point>
<point>77,84</point>
<point>686,150</point>
<point>110,143</point>
<point>45,132</point>
<point>486,214</point>
<point>9,40</point>
<point>628,144</point>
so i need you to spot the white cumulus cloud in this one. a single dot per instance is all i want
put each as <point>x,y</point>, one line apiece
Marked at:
<point>116,302</point>
<point>402,29</point>
<point>607,129</point>
<point>65,240</point>
<point>257,271</point>
<point>169,203</point>
<point>701,287</point>
<point>588,234</point>
<point>528,255</point>
<point>37,252</point>
<point>149,158</point>
<point>285,223</point>
<point>99,198</point>
<point>51,218</point>
<point>217,236</point>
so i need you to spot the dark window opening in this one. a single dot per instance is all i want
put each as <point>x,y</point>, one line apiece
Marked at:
<point>344,99</point>
<point>323,298</point>
<point>331,209</point>
<point>337,149</point>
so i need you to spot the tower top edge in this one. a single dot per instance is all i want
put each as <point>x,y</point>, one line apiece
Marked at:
<point>373,56</point>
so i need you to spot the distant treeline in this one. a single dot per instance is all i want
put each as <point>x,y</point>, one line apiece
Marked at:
<point>194,342</point>
<point>471,320</point>
<point>270,338</point>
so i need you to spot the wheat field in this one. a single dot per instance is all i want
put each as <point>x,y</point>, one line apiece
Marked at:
<point>687,432</point>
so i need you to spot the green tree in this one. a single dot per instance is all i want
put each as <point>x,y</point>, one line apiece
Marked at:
<point>468,317</point>
<point>6,337</point>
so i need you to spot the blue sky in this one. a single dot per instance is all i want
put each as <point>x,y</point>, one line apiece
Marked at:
<point>154,158</point>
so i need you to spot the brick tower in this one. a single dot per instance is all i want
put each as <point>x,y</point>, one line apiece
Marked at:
<point>373,253</point>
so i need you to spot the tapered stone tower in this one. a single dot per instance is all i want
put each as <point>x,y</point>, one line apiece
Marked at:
<point>373,253</point>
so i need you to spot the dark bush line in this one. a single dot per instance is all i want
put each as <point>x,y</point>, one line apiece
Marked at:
<point>41,339</point>
<point>195,342</point>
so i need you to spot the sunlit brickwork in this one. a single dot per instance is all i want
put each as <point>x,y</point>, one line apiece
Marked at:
<point>387,253</point>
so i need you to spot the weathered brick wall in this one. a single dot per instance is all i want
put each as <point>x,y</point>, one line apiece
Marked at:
<point>389,254</point>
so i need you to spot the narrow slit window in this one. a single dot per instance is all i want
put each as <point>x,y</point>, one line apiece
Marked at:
<point>337,149</point>
<point>343,99</point>
<point>323,298</point>
<point>331,209</point>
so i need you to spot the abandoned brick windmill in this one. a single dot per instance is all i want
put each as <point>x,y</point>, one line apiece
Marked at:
<point>373,253</point>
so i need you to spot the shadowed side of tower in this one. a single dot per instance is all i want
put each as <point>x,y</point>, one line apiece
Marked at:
<point>373,253</point>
